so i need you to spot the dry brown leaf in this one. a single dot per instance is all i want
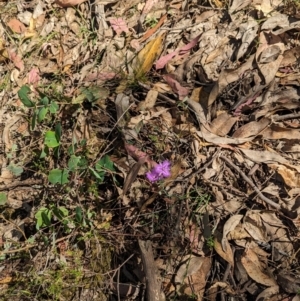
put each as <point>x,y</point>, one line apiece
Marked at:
<point>229,226</point>
<point>252,128</point>
<point>67,3</point>
<point>290,177</point>
<point>238,233</point>
<point>224,286</point>
<point>267,157</point>
<point>188,268</point>
<point>268,293</point>
<point>16,26</point>
<point>276,132</point>
<point>226,255</point>
<point>5,280</point>
<point>254,226</point>
<point>149,102</point>
<point>212,138</point>
<point>199,278</point>
<point>255,270</point>
<point>222,124</point>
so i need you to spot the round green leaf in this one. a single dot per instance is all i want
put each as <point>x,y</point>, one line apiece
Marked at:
<point>58,176</point>
<point>53,107</point>
<point>51,139</point>
<point>73,162</point>
<point>105,163</point>
<point>3,198</point>
<point>42,114</point>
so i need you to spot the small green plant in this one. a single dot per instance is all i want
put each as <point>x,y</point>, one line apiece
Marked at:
<point>42,107</point>
<point>151,22</point>
<point>3,198</point>
<point>210,242</point>
<point>45,216</point>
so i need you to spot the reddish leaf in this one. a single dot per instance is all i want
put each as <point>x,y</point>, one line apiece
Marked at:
<point>17,60</point>
<point>164,59</point>
<point>33,76</point>
<point>151,31</point>
<point>139,155</point>
<point>176,86</point>
<point>16,26</point>
<point>118,25</point>
<point>182,51</point>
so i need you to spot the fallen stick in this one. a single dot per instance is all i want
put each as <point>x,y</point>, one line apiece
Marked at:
<point>153,287</point>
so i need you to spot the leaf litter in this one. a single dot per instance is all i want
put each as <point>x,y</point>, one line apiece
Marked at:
<point>173,156</point>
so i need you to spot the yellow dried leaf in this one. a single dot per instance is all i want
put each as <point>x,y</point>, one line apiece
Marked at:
<point>3,52</point>
<point>148,55</point>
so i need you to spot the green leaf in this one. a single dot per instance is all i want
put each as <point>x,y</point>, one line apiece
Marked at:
<point>44,101</point>
<point>42,114</point>
<point>104,163</point>
<point>22,93</point>
<point>43,217</point>
<point>73,162</point>
<point>83,163</point>
<point>91,94</point>
<point>15,169</point>
<point>97,175</point>
<point>51,139</point>
<point>53,107</point>
<point>3,198</point>
<point>58,131</point>
<point>63,211</point>
<point>56,152</point>
<point>44,152</point>
<point>31,240</point>
<point>78,214</point>
<point>58,176</point>
<point>60,212</point>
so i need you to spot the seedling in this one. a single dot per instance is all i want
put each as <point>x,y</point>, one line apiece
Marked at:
<point>42,108</point>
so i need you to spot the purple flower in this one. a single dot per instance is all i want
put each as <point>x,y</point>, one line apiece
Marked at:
<point>159,172</point>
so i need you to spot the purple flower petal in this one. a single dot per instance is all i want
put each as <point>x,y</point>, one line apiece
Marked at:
<point>159,172</point>
<point>163,169</point>
<point>152,176</point>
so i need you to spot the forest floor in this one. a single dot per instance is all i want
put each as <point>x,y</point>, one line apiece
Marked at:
<point>149,150</point>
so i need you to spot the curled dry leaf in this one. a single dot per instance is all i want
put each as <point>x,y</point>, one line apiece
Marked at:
<point>267,157</point>
<point>229,226</point>
<point>252,128</point>
<point>268,293</point>
<point>226,255</point>
<point>290,177</point>
<point>255,270</point>
<point>188,268</point>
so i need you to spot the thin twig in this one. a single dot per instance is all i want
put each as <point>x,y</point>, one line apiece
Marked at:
<point>249,181</point>
<point>287,116</point>
<point>15,184</point>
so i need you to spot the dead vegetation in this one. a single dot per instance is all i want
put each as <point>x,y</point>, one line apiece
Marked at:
<point>150,150</point>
